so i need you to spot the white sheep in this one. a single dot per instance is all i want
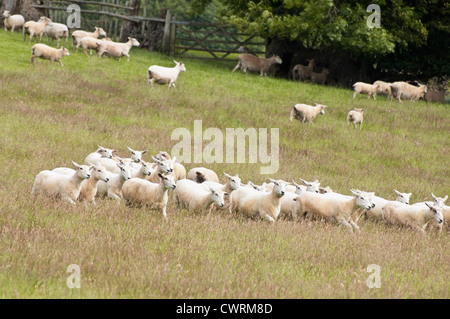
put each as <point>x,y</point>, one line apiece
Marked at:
<point>406,91</point>
<point>416,217</point>
<point>43,51</point>
<point>113,189</point>
<point>116,49</point>
<point>438,201</point>
<point>202,174</point>
<point>88,186</point>
<point>99,153</point>
<point>288,205</point>
<point>303,72</point>
<point>144,170</point>
<point>13,21</point>
<point>140,192</point>
<point>256,64</point>
<point>57,31</point>
<point>355,116</point>
<point>162,75</point>
<point>252,203</point>
<point>365,88</point>
<point>163,167</point>
<point>89,43</point>
<point>377,211</point>
<point>35,28</point>
<point>179,171</point>
<point>61,186</point>
<point>305,112</point>
<point>334,207</point>
<point>384,88</point>
<point>194,197</point>
<point>77,35</point>
<point>232,184</point>
<point>320,78</point>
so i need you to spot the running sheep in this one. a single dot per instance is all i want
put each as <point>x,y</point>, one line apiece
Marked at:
<point>306,113</point>
<point>141,192</point>
<point>43,51</point>
<point>194,197</point>
<point>162,75</point>
<point>256,64</point>
<point>61,186</point>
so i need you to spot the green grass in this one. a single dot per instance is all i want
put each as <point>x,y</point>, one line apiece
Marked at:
<point>51,115</point>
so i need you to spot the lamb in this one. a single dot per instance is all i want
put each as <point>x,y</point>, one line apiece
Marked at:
<point>35,28</point>
<point>57,31</point>
<point>90,43</point>
<point>101,152</point>
<point>61,186</point>
<point>43,51</point>
<point>377,212</point>
<point>337,208</point>
<point>355,116</point>
<point>113,189</point>
<point>179,172</point>
<point>366,88</point>
<point>116,49</point>
<point>162,75</point>
<point>403,90</point>
<point>163,167</point>
<point>88,186</point>
<point>438,201</point>
<point>256,64</point>
<point>144,170</point>
<point>77,35</point>
<point>416,217</point>
<point>202,174</point>
<point>303,72</point>
<point>13,21</point>
<point>253,203</point>
<point>138,191</point>
<point>288,205</point>
<point>195,197</point>
<point>232,184</point>
<point>305,112</point>
<point>320,78</point>
<point>384,88</point>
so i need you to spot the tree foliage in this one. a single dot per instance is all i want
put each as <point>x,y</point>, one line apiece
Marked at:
<point>406,25</point>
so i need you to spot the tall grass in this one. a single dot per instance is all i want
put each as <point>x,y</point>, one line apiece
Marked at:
<point>51,115</point>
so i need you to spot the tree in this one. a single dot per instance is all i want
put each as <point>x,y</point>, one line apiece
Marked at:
<point>339,27</point>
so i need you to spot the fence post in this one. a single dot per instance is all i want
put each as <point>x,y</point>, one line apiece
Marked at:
<point>166,36</point>
<point>172,37</point>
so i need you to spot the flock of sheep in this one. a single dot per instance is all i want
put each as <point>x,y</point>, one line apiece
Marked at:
<point>96,40</point>
<point>140,183</point>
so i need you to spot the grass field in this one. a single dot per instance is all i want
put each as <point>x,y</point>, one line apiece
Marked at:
<point>51,115</point>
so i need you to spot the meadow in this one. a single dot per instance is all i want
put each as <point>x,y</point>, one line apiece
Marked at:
<point>51,115</point>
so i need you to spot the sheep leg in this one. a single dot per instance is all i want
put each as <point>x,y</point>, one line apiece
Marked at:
<point>164,212</point>
<point>60,63</point>
<point>12,29</point>
<point>345,223</point>
<point>355,94</point>
<point>237,66</point>
<point>267,217</point>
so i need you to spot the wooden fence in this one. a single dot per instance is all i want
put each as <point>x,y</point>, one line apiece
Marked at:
<point>172,37</point>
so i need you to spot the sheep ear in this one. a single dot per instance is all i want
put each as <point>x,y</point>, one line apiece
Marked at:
<point>295,199</point>
<point>303,181</point>
<point>130,149</point>
<point>445,198</point>
<point>211,189</point>
<point>428,205</point>
<point>396,191</point>
<point>226,175</point>
<point>316,181</point>
<point>75,164</point>
<point>174,159</point>
<point>272,180</point>
<point>143,152</point>
<point>355,191</point>
<point>433,196</point>
<point>155,159</point>
<point>226,194</point>
<point>160,175</point>
<point>175,62</point>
